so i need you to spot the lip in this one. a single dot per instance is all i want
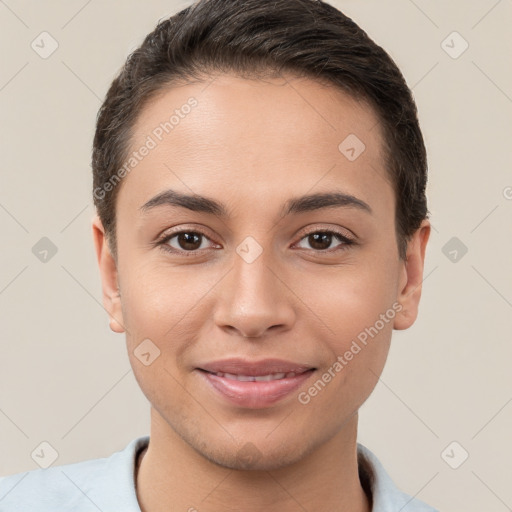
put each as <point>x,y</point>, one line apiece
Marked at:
<point>254,394</point>
<point>239,366</point>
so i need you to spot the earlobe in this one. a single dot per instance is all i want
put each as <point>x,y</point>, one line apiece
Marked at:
<point>411,278</point>
<point>109,277</point>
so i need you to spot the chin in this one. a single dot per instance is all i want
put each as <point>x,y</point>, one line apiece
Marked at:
<point>248,457</point>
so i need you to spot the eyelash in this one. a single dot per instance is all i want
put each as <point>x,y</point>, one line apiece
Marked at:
<point>163,243</point>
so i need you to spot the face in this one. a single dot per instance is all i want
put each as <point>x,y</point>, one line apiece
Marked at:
<point>256,270</point>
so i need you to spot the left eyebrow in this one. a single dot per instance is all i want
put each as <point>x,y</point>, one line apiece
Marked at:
<point>198,203</point>
<point>324,200</point>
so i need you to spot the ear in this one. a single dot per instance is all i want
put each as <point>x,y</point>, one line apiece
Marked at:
<point>412,278</point>
<point>108,273</point>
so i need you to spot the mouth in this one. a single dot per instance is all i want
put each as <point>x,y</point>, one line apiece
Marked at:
<point>255,378</point>
<point>262,368</point>
<point>256,384</point>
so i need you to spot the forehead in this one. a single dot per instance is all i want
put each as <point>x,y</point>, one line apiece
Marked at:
<point>258,138</point>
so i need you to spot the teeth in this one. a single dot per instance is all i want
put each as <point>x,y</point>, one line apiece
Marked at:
<point>259,378</point>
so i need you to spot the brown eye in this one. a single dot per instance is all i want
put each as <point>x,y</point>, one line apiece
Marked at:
<point>185,241</point>
<point>322,240</point>
<point>189,241</point>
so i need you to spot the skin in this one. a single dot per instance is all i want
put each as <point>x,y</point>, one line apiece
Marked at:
<point>253,145</point>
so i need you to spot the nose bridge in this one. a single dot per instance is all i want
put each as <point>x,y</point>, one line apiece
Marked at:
<point>252,298</point>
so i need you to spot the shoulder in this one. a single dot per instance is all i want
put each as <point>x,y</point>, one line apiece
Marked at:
<point>386,496</point>
<point>97,484</point>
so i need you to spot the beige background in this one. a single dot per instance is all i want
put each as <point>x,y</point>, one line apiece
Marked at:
<point>65,377</point>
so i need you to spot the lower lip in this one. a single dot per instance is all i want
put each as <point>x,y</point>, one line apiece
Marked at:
<point>253,394</point>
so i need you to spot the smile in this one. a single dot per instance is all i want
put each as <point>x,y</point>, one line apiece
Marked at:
<point>258,378</point>
<point>253,391</point>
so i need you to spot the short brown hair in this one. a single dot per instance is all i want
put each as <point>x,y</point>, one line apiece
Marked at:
<point>262,38</point>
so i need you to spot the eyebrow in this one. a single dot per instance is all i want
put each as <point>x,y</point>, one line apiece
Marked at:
<point>307,203</point>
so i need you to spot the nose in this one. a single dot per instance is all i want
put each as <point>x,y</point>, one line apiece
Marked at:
<point>254,299</point>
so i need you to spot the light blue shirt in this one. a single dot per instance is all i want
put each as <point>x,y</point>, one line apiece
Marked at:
<point>108,485</point>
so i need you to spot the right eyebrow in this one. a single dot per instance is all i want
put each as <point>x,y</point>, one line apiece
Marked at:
<point>193,202</point>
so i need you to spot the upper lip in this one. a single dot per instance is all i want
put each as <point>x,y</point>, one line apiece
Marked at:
<point>238,366</point>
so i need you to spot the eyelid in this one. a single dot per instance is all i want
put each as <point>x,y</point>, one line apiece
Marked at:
<point>164,237</point>
<point>342,232</point>
<point>182,228</point>
<point>344,242</point>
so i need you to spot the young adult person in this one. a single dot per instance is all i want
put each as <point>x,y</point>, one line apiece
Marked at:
<point>259,179</point>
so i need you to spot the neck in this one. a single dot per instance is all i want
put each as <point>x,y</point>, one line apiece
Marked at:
<point>174,476</point>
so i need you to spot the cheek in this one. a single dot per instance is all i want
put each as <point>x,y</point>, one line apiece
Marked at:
<point>361,320</point>
<point>169,307</point>
<point>349,300</point>
<point>157,299</point>
<point>157,306</point>
<point>356,309</point>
